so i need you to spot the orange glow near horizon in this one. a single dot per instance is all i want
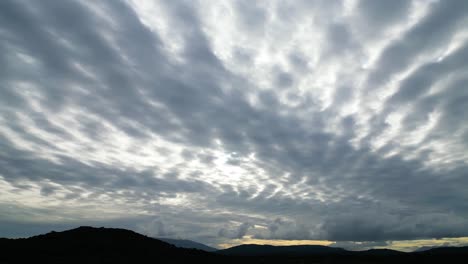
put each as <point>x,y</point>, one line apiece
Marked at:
<point>273,242</point>
<point>401,245</point>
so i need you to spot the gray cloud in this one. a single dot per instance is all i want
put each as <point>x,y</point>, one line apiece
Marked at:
<point>359,245</point>
<point>240,232</point>
<point>179,126</point>
<point>378,15</point>
<point>437,27</point>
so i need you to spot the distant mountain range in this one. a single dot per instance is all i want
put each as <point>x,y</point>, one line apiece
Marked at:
<point>108,245</point>
<point>425,248</point>
<point>183,243</point>
<point>267,250</point>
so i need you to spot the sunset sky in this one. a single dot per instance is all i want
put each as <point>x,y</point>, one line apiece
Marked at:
<point>339,123</point>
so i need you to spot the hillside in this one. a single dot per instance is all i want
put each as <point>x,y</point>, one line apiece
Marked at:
<point>267,250</point>
<point>91,245</point>
<point>184,243</point>
<point>324,254</point>
<point>108,245</point>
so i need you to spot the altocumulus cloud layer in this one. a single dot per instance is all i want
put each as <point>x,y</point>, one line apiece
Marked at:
<point>223,121</point>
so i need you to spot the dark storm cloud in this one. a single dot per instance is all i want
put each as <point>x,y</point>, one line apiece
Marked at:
<point>111,72</point>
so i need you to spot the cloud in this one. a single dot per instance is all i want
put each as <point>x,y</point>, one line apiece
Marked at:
<point>344,121</point>
<point>235,234</point>
<point>359,245</point>
<point>285,230</point>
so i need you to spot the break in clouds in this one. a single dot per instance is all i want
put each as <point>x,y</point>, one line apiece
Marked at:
<point>223,121</point>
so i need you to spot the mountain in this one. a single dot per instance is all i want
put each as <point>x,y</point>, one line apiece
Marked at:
<point>92,245</point>
<point>109,245</point>
<point>323,254</point>
<point>441,251</point>
<point>379,252</point>
<point>425,248</point>
<point>267,250</point>
<point>183,243</point>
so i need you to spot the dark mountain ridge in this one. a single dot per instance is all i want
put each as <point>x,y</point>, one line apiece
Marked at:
<point>268,250</point>
<point>185,243</point>
<point>380,252</point>
<point>109,245</point>
<point>89,244</point>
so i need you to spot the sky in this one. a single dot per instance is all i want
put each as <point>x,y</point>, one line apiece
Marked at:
<point>339,123</point>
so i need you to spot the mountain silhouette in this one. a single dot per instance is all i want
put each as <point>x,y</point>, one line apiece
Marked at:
<point>324,254</point>
<point>424,248</point>
<point>184,243</point>
<point>379,252</point>
<point>110,245</point>
<point>440,251</point>
<point>91,245</point>
<point>267,250</point>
